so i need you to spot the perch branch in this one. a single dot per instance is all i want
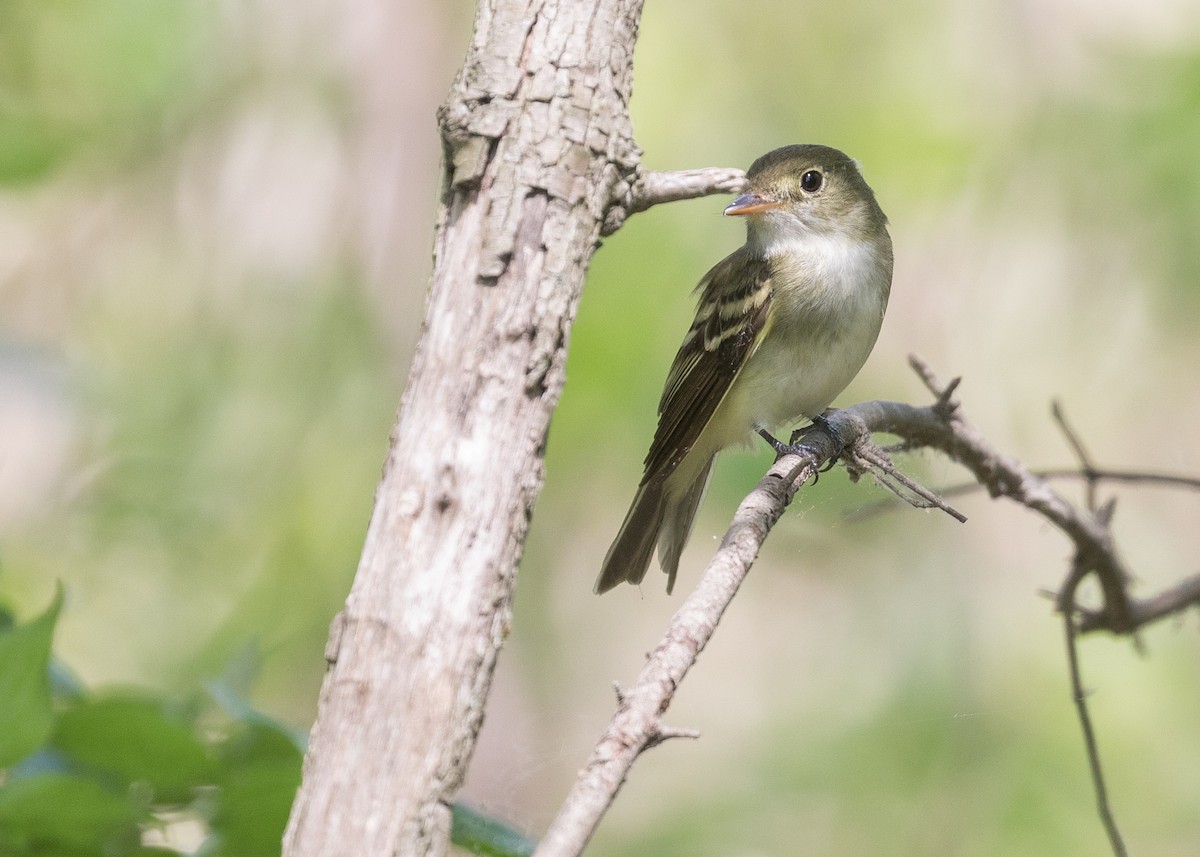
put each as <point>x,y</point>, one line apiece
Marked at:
<point>636,725</point>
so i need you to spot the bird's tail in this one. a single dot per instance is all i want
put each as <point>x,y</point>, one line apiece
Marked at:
<point>629,556</point>
<point>661,514</point>
<point>677,522</point>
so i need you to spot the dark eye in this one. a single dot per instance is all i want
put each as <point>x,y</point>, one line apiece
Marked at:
<point>811,181</point>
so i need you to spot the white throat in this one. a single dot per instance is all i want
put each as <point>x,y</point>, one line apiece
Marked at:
<point>840,262</point>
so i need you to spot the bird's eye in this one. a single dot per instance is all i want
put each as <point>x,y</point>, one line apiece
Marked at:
<point>811,181</point>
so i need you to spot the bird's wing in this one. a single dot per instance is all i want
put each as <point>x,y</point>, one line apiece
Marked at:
<point>731,316</point>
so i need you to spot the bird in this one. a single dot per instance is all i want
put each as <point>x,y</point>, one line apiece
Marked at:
<point>783,324</point>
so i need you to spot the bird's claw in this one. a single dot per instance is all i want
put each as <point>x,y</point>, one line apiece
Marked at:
<point>796,445</point>
<point>793,447</point>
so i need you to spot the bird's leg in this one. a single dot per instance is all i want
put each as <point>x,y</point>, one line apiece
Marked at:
<point>792,448</point>
<point>781,448</point>
<point>796,446</point>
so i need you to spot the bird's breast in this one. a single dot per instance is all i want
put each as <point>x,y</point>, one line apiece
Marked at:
<point>827,304</point>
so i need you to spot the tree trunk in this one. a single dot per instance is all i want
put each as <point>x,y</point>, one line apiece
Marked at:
<point>538,153</point>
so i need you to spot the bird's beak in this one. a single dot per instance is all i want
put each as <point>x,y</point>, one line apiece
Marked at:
<point>751,203</point>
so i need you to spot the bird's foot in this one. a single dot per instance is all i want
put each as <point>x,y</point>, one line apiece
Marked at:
<point>797,446</point>
<point>781,448</point>
<point>793,447</point>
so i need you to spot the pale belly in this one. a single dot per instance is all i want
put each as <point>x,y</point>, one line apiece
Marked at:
<point>793,375</point>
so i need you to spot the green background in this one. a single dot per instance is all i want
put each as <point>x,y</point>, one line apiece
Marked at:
<point>215,230</point>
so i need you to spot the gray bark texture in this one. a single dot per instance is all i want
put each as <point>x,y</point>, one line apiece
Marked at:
<point>539,159</point>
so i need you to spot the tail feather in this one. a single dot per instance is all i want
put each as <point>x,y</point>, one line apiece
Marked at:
<point>679,516</point>
<point>629,556</point>
<point>661,514</point>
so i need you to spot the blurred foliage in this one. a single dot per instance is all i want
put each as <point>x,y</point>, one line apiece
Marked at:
<point>106,773</point>
<point>1120,151</point>
<point>214,232</point>
<point>115,770</point>
<point>82,79</point>
<point>25,684</point>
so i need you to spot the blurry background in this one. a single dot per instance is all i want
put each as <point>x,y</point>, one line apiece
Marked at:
<point>215,225</point>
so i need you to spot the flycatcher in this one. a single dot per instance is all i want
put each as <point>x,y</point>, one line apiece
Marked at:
<point>782,325</point>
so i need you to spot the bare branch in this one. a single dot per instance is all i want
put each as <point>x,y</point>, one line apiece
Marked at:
<point>652,187</point>
<point>1148,478</point>
<point>658,187</point>
<point>1005,476</point>
<point>1136,477</point>
<point>869,456</point>
<point>636,726</point>
<point>1086,467</point>
<point>1137,612</point>
<point>666,733</point>
<point>1079,696</point>
<point>1175,599</point>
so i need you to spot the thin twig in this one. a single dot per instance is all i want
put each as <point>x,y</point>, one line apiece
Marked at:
<point>659,187</point>
<point>1086,468</point>
<point>666,733</point>
<point>1136,477</point>
<point>648,188</point>
<point>867,455</point>
<point>636,725</point>
<point>1099,474</point>
<point>1079,695</point>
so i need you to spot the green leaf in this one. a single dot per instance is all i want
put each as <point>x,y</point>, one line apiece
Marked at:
<point>260,742</point>
<point>25,714</point>
<point>58,812</point>
<point>482,834</point>
<point>253,807</point>
<point>260,773</point>
<point>136,739</point>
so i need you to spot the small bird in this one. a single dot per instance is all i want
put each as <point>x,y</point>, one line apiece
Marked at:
<point>783,324</point>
